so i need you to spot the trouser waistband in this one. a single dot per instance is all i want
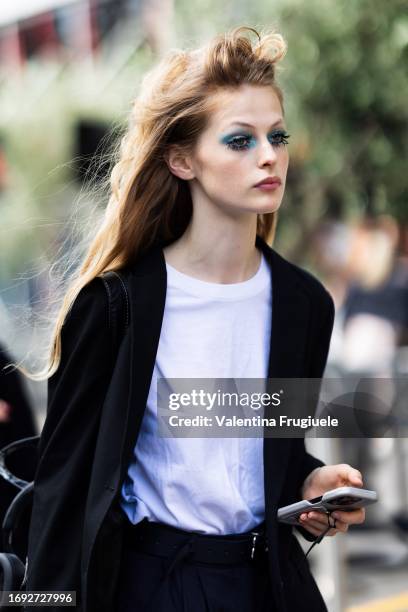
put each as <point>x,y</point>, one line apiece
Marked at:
<point>167,541</point>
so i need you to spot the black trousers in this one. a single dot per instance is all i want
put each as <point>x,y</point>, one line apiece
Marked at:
<point>191,586</point>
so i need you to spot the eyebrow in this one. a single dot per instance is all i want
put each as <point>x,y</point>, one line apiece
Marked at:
<point>279,121</point>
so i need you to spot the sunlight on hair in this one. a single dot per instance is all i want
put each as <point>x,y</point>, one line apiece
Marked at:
<point>148,206</point>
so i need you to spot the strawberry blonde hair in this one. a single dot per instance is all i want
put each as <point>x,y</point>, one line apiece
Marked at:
<point>148,205</point>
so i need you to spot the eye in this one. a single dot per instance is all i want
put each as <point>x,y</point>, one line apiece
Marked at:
<point>239,142</point>
<point>279,138</point>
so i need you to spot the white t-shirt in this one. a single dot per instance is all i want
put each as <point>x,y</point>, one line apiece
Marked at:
<point>207,485</point>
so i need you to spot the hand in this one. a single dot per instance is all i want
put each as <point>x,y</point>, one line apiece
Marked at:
<point>324,479</point>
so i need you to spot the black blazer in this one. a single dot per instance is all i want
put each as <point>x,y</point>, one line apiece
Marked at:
<point>96,403</point>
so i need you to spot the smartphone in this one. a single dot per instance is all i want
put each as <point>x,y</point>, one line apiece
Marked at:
<point>343,498</point>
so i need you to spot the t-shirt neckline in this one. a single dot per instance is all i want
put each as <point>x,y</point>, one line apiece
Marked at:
<point>201,288</point>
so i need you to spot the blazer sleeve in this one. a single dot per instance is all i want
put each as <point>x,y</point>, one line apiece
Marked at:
<point>76,394</point>
<point>317,365</point>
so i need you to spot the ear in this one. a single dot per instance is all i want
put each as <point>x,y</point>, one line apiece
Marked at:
<point>179,163</point>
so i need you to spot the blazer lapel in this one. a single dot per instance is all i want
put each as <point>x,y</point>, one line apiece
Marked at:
<point>290,321</point>
<point>147,286</point>
<point>290,318</point>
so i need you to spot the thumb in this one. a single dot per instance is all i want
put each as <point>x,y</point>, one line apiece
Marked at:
<point>351,475</point>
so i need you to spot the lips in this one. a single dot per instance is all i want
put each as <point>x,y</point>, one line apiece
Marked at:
<point>271,180</point>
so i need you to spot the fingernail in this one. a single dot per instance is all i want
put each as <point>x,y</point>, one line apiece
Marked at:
<point>336,515</point>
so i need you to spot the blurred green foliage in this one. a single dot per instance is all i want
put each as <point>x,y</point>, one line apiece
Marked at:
<point>346,91</point>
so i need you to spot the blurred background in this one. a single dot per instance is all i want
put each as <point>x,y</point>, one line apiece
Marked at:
<point>68,73</point>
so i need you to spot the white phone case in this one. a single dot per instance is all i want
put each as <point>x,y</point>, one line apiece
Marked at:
<point>343,498</point>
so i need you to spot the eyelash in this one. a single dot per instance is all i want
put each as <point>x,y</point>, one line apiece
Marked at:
<point>233,144</point>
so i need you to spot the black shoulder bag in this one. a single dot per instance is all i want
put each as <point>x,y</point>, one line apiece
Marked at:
<point>12,568</point>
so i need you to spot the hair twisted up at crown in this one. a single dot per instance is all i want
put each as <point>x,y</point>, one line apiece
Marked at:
<point>148,204</point>
<point>233,59</point>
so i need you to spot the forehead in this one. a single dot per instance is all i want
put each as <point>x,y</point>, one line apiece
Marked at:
<point>257,105</point>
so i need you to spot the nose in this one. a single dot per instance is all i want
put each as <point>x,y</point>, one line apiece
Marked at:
<point>267,154</point>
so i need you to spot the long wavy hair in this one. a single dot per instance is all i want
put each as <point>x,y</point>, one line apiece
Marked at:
<point>148,205</point>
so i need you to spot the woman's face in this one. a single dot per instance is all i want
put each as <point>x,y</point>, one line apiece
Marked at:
<point>243,144</point>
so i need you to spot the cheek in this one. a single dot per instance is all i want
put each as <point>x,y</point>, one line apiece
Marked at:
<point>224,169</point>
<point>234,172</point>
<point>284,161</point>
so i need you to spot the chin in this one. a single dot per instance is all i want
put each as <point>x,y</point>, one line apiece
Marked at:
<point>266,208</point>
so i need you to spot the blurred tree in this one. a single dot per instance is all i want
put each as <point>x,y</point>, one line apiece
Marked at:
<point>345,84</point>
<point>346,89</point>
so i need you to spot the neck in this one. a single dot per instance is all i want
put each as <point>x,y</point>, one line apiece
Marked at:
<point>221,252</point>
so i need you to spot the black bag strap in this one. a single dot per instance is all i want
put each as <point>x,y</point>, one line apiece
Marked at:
<point>119,305</point>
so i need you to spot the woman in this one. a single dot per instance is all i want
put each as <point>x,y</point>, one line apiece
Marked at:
<point>195,194</point>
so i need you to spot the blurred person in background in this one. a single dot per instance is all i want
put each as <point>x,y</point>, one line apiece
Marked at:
<point>16,422</point>
<point>376,304</point>
<point>329,252</point>
<point>123,516</point>
<point>374,320</point>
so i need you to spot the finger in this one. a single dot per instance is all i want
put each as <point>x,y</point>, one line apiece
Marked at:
<point>322,527</point>
<point>318,528</point>
<point>317,516</point>
<point>354,517</point>
<point>320,521</point>
<point>350,474</point>
<point>332,532</point>
<point>316,525</point>
<point>356,478</point>
<point>342,527</point>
